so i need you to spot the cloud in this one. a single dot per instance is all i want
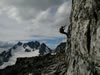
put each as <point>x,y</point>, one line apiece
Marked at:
<point>4,46</point>
<point>38,4</point>
<point>32,7</point>
<point>26,19</point>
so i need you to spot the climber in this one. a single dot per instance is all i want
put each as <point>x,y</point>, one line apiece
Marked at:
<point>61,30</point>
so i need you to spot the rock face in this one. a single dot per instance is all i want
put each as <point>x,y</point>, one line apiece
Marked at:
<point>83,44</point>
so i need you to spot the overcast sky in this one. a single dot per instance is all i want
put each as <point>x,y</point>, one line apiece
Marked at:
<point>22,20</point>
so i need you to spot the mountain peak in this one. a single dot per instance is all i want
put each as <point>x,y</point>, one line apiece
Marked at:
<point>44,49</point>
<point>43,44</point>
<point>19,43</point>
<point>24,50</point>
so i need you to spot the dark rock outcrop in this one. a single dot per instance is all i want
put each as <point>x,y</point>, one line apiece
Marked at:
<point>42,65</point>
<point>34,45</point>
<point>19,43</point>
<point>61,47</point>
<point>4,56</point>
<point>27,50</point>
<point>44,49</point>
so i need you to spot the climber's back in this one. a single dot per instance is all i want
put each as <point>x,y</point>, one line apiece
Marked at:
<point>61,30</point>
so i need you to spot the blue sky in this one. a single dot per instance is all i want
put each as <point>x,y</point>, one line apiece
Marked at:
<point>53,43</point>
<point>33,20</point>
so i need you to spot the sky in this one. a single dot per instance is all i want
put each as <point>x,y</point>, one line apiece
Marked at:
<point>29,20</point>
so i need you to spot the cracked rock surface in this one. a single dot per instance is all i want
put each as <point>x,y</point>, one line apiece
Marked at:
<point>83,44</point>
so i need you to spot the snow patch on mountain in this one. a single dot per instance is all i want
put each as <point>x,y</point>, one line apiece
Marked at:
<point>20,49</point>
<point>19,54</point>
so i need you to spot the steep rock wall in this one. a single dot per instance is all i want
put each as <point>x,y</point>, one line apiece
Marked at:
<point>83,44</point>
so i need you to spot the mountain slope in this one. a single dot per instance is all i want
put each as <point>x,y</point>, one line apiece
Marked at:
<point>43,50</point>
<point>41,65</point>
<point>29,49</point>
<point>48,64</point>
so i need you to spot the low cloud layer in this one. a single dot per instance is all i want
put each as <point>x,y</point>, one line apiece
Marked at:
<point>5,44</point>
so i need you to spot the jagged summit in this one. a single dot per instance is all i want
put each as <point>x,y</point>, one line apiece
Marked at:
<point>19,43</point>
<point>32,44</point>
<point>44,49</point>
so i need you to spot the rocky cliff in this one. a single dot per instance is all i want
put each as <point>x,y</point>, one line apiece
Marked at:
<point>83,44</point>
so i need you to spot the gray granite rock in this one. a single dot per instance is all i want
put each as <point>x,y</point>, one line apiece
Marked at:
<point>83,44</point>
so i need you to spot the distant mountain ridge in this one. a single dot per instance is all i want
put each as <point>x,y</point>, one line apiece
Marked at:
<point>39,65</point>
<point>29,49</point>
<point>21,48</point>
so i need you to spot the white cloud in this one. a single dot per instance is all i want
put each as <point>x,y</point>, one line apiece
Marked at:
<point>22,19</point>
